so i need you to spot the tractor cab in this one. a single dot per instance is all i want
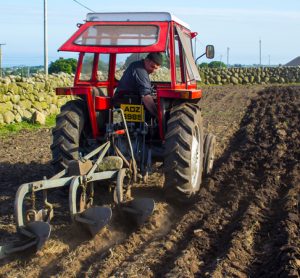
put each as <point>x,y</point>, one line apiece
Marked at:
<point>108,42</point>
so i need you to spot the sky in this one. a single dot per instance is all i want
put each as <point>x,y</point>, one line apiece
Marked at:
<point>235,24</point>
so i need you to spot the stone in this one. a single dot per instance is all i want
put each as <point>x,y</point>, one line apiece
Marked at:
<point>7,80</point>
<point>198,232</point>
<point>38,118</point>
<point>13,88</point>
<point>41,98</point>
<point>3,89</point>
<point>8,117</point>
<point>61,101</point>
<point>14,111</point>
<point>234,80</point>
<point>4,98</point>
<point>39,85</point>
<point>1,120</point>
<point>26,104</point>
<point>30,88</point>
<point>110,163</point>
<point>53,109</point>
<point>31,97</point>
<point>44,105</point>
<point>15,98</point>
<point>281,133</point>
<point>258,79</point>
<point>18,118</point>
<point>23,85</point>
<point>273,79</point>
<point>54,100</point>
<point>38,106</point>
<point>27,115</point>
<point>48,99</point>
<point>218,78</point>
<point>5,107</point>
<point>77,167</point>
<point>20,110</point>
<point>246,80</point>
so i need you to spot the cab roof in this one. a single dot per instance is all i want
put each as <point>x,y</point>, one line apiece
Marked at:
<point>135,16</point>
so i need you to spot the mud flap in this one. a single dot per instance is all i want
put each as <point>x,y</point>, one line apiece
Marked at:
<point>36,234</point>
<point>139,209</point>
<point>94,218</point>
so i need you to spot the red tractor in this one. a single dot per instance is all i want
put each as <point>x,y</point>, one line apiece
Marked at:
<point>95,140</point>
<point>107,43</point>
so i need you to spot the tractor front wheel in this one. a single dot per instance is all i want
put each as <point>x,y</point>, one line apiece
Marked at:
<point>184,152</point>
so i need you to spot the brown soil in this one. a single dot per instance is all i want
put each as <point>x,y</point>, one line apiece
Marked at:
<point>244,223</point>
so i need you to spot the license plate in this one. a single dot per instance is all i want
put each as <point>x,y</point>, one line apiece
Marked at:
<point>133,112</point>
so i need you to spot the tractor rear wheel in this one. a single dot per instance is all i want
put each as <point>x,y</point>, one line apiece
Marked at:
<point>68,135</point>
<point>184,152</point>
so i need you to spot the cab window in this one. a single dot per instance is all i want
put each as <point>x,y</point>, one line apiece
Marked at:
<point>163,74</point>
<point>114,35</point>
<point>178,54</point>
<point>103,67</point>
<point>87,67</point>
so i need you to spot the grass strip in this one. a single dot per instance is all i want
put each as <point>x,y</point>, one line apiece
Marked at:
<point>12,129</point>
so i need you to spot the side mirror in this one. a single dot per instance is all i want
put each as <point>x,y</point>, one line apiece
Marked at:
<point>210,52</point>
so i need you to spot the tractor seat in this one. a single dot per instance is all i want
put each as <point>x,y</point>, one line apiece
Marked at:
<point>126,98</point>
<point>97,91</point>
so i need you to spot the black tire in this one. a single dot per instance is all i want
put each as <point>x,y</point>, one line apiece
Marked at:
<point>67,135</point>
<point>184,152</point>
<point>209,153</point>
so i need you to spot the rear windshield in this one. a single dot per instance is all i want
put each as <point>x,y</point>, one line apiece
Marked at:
<point>119,35</point>
<point>162,74</point>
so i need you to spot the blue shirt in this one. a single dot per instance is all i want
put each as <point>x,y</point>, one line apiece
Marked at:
<point>135,80</point>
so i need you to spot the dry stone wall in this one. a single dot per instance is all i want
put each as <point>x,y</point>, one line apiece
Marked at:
<point>271,75</point>
<point>21,99</point>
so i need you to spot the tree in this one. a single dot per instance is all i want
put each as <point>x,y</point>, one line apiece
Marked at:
<point>63,65</point>
<point>216,64</point>
<point>203,65</point>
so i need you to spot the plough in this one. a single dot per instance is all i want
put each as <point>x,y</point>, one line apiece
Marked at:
<point>80,176</point>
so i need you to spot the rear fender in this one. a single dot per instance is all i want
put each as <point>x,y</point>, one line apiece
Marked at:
<point>86,93</point>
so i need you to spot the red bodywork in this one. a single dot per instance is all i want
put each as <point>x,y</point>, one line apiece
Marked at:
<point>185,90</point>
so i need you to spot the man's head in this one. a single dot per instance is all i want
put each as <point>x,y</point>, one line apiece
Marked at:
<point>153,61</point>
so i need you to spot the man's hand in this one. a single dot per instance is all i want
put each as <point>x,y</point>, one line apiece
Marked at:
<point>150,105</point>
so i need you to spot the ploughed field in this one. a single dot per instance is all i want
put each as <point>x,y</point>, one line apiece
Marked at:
<point>244,223</point>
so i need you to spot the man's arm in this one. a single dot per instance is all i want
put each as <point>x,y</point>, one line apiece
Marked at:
<point>150,105</point>
<point>144,87</point>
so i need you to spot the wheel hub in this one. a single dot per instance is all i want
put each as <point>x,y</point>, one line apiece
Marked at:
<point>195,157</point>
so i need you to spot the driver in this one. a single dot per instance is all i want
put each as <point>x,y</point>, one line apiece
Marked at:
<point>135,80</point>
